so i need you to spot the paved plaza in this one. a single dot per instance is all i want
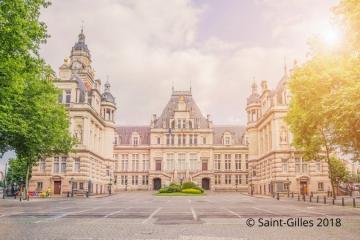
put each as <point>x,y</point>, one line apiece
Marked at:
<point>141,215</point>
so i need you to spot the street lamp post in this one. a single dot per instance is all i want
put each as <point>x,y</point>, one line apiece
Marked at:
<point>5,183</point>
<point>110,184</point>
<point>72,186</point>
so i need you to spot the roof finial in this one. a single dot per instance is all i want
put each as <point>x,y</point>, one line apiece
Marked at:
<point>254,86</point>
<point>107,84</point>
<point>82,26</point>
<point>285,67</point>
<point>172,86</point>
<point>190,85</point>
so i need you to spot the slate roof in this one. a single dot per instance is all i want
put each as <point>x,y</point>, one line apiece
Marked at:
<point>191,105</point>
<point>125,133</point>
<point>237,132</point>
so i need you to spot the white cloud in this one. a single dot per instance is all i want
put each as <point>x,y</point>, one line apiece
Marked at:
<point>144,46</point>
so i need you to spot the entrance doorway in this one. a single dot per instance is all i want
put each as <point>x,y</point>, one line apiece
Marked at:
<point>205,183</point>
<point>157,183</point>
<point>303,188</point>
<point>57,187</point>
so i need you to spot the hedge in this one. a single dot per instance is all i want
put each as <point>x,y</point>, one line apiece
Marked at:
<point>191,190</point>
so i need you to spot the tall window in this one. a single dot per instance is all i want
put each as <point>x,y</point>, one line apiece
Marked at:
<point>297,165</point>
<point>217,179</point>
<point>227,179</point>
<point>227,140</point>
<point>204,140</point>
<point>146,162</point>
<point>182,161</point>
<point>145,180</point>
<point>135,162</point>
<point>134,180</point>
<point>123,180</point>
<point>158,165</point>
<point>246,179</point>
<point>246,161</point>
<point>304,167</point>
<point>179,139</point>
<point>237,161</point>
<point>190,139</point>
<point>193,161</point>
<point>217,161</point>
<point>67,96</point>
<point>42,165</point>
<point>167,139</point>
<point>184,123</point>
<point>77,165</point>
<point>195,139</point>
<point>56,164</point>
<point>170,161</point>
<point>318,166</point>
<point>124,162</point>
<point>158,140</point>
<point>238,179</point>
<point>284,165</point>
<point>179,123</point>
<point>60,99</point>
<point>172,139</point>
<point>320,186</point>
<point>227,161</point>
<point>63,164</point>
<point>184,139</point>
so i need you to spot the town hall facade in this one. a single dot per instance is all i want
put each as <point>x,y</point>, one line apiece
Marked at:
<point>180,144</point>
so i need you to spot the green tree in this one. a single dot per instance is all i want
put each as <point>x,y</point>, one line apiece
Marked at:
<point>31,121</point>
<point>324,110</point>
<point>16,172</point>
<point>338,171</point>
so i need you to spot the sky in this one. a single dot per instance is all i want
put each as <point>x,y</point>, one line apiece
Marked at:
<point>216,47</point>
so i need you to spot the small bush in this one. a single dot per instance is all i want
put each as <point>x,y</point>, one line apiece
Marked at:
<point>187,185</point>
<point>174,188</point>
<point>191,190</point>
<point>164,190</point>
<point>199,188</point>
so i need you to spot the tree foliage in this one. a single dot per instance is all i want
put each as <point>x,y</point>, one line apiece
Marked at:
<point>16,172</point>
<point>324,114</point>
<point>31,121</point>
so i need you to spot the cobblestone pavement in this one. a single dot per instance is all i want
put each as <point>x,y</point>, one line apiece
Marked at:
<point>141,215</point>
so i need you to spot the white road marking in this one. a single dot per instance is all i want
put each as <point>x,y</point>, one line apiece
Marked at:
<point>11,214</point>
<point>66,214</point>
<point>232,212</point>
<point>113,213</point>
<point>265,210</point>
<point>152,215</point>
<point>194,213</point>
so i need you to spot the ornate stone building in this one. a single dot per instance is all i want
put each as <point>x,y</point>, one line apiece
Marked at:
<point>91,113</point>
<point>179,145</point>
<point>274,164</point>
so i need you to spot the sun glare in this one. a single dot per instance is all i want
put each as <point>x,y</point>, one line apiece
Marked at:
<point>330,36</point>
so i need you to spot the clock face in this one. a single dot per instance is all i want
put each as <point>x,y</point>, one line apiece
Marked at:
<point>76,65</point>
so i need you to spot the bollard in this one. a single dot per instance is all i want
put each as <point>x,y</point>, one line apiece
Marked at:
<point>278,196</point>
<point>68,194</point>
<point>87,194</point>
<point>342,202</point>
<point>304,197</point>
<point>310,198</point>
<point>354,204</point>
<point>288,194</point>
<point>324,199</point>
<point>298,197</point>
<point>292,194</point>
<point>317,199</point>
<point>333,201</point>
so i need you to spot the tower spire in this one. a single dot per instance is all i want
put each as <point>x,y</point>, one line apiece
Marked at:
<point>285,67</point>
<point>254,86</point>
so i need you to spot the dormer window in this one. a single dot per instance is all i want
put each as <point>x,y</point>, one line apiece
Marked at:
<point>135,141</point>
<point>227,139</point>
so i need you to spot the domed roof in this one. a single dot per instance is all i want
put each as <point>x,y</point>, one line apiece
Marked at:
<point>254,97</point>
<point>80,44</point>
<point>107,96</point>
